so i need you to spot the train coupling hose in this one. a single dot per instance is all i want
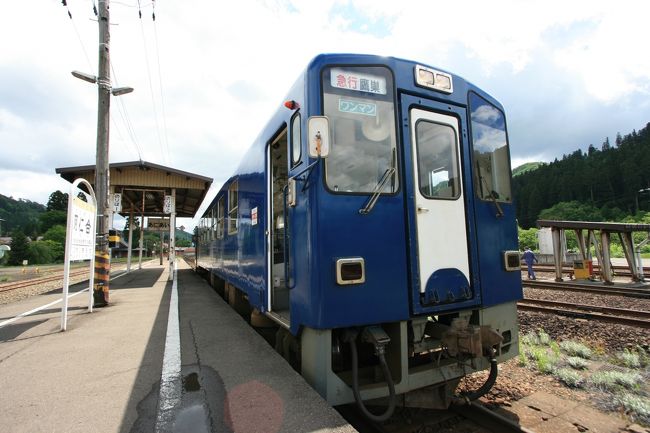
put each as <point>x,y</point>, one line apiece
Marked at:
<point>487,385</point>
<point>376,336</point>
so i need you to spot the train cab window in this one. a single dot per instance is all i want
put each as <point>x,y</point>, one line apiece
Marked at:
<point>233,208</point>
<point>437,156</point>
<point>359,102</point>
<point>296,147</point>
<point>220,213</point>
<point>490,151</point>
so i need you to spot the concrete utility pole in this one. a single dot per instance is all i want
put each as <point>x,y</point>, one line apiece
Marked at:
<point>102,170</point>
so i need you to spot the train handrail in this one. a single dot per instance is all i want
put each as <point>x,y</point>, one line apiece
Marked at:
<point>287,278</point>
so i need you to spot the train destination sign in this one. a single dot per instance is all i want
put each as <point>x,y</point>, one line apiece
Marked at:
<point>158,224</point>
<point>359,82</point>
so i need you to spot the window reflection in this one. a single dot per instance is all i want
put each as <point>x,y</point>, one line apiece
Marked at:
<point>437,160</point>
<point>490,151</point>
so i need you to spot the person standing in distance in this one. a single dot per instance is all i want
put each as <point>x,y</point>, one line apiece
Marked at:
<point>529,258</point>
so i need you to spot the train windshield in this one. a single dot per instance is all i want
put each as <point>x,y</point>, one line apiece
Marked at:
<point>490,151</point>
<point>360,105</point>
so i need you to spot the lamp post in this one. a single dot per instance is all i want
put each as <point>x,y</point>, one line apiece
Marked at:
<point>102,169</point>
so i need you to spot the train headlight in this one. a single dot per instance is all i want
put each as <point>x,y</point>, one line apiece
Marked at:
<point>432,79</point>
<point>511,261</point>
<point>350,271</point>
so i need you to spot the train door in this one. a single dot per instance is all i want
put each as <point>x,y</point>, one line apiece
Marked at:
<point>441,233</point>
<point>278,301</point>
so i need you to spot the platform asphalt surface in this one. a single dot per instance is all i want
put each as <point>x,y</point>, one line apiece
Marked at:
<point>103,374</point>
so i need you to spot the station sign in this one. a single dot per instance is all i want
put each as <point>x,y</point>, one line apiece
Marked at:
<point>158,224</point>
<point>117,202</point>
<point>81,226</point>
<point>169,206</point>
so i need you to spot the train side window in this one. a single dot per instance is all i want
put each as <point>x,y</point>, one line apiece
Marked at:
<point>233,211</point>
<point>490,151</point>
<point>220,213</point>
<point>296,144</point>
<point>212,222</point>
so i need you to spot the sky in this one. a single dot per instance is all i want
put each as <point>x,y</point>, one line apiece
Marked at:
<point>208,74</point>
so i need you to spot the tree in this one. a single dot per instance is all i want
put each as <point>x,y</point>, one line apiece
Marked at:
<point>527,238</point>
<point>136,230</point>
<point>183,243</point>
<point>19,248</point>
<point>55,233</point>
<point>58,201</point>
<point>40,253</point>
<point>52,218</point>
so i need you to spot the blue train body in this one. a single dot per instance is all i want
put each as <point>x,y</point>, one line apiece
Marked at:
<point>299,238</point>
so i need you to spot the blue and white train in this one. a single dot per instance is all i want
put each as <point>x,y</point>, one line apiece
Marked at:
<point>372,222</point>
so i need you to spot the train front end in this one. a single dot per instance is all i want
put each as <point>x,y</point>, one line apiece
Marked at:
<point>414,269</point>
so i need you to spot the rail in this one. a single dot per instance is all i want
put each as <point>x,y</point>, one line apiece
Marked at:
<point>591,312</point>
<point>634,292</point>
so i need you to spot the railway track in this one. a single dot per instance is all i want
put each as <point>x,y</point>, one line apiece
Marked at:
<point>621,271</point>
<point>634,292</point>
<point>25,283</point>
<point>620,316</point>
<point>459,417</point>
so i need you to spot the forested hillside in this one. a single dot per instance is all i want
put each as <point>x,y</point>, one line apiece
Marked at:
<point>23,214</point>
<point>607,179</point>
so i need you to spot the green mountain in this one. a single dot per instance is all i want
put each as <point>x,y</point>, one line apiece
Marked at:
<point>524,168</point>
<point>610,180</point>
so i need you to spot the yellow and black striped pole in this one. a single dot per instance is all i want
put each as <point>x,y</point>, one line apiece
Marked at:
<point>102,274</point>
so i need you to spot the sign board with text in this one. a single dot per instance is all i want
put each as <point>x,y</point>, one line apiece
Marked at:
<point>81,225</point>
<point>169,206</point>
<point>117,202</point>
<point>158,224</point>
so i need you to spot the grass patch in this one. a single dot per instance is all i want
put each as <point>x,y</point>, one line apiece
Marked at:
<point>637,408</point>
<point>544,361</point>
<point>570,377</point>
<point>544,338</point>
<point>614,380</point>
<point>577,363</point>
<point>573,348</point>
<point>523,358</point>
<point>530,339</point>
<point>629,359</point>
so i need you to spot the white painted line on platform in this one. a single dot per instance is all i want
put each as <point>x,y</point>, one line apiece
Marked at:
<point>170,381</point>
<point>35,310</point>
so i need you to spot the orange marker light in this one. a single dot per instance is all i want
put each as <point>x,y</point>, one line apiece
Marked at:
<point>291,104</point>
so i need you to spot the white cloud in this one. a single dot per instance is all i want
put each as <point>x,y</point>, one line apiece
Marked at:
<point>566,71</point>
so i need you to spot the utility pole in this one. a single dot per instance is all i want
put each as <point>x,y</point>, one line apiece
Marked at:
<point>102,169</point>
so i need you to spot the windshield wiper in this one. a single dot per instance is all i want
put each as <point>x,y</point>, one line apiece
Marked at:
<point>492,194</point>
<point>388,174</point>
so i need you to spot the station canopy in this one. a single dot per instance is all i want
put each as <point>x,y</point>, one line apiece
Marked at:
<point>143,186</point>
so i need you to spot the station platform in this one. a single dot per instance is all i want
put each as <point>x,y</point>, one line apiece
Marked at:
<point>104,373</point>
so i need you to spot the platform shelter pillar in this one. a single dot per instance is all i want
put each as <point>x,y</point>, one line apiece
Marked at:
<point>628,248</point>
<point>605,265</point>
<point>557,252</point>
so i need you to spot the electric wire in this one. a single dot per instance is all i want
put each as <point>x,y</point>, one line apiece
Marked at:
<point>153,99</point>
<point>124,114</point>
<point>76,31</point>
<point>162,98</point>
